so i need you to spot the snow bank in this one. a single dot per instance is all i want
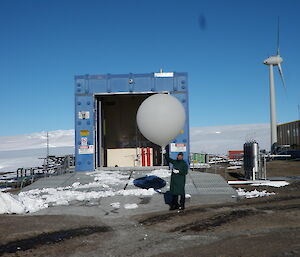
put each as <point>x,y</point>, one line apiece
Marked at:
<point>252,194</point>
<point>8,204</point>
<point>105,184</point>
<point>37,199</point>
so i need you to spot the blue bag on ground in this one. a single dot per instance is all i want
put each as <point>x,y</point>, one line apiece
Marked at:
<point>149,182</point>
<point>168,196</point>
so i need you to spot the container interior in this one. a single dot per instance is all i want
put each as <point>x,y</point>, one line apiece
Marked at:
<point>119,141</point>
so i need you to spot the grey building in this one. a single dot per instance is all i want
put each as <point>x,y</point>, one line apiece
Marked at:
<point>289,134</point>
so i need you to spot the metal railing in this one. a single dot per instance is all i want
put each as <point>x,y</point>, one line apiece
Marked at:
<point>53,166</point>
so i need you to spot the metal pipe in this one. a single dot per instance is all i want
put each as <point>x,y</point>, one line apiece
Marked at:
<point>162,156</point>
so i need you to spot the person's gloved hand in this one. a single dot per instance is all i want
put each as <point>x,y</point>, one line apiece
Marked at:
<point>176,171</point>
<point>164,151</point>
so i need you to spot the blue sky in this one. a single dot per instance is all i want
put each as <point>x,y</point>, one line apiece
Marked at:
<point>221,44</point>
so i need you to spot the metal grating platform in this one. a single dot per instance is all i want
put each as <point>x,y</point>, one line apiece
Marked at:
<point>150,168</point>
<point>197,183</point>
<point>204,188</point>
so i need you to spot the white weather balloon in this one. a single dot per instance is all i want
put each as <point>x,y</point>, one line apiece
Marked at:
<point>160,118</point>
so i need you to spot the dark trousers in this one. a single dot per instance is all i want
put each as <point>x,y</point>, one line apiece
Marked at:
<point>175,200</point>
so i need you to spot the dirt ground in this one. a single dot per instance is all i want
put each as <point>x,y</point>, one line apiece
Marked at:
<point>275,168</point>
<point>260,227</point>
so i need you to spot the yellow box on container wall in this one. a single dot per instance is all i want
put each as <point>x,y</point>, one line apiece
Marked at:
<point>84,132</point>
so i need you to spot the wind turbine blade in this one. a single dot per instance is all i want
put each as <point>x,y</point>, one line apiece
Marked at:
<point>281,74</point>
<point>278,37</point>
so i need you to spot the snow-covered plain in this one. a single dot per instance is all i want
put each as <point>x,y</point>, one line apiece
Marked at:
<point>23,151</point>
<point>58,138</point>
<point>221,139</point>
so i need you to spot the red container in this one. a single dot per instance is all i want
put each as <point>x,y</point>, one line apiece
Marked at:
<point>235,155</point>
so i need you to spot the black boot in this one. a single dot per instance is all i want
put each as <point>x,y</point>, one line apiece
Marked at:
<point>174,207</point>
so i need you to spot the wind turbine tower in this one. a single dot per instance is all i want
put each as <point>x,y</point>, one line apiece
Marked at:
<point>274,61</point>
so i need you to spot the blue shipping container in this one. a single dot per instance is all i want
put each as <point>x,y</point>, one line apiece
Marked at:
<point>105,115</point>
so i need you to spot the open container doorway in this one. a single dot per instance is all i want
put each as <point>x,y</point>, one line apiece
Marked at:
<point>119,143</point>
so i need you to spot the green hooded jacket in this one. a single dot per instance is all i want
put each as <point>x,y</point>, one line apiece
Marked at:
<point>178,180</point>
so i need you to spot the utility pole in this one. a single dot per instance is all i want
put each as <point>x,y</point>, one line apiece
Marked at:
<point>47,159</point>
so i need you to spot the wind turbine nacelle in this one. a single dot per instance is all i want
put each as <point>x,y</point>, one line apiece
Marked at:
<point>273,60</point>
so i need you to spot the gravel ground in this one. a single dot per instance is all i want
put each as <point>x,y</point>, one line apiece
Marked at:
<point>268,226</point>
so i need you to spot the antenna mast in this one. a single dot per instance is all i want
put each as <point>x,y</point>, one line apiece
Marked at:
<point>47,159</point>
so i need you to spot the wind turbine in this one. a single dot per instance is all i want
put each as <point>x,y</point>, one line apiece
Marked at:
<point>274,61</point>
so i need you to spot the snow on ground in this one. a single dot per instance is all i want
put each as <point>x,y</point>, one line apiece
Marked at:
<point>234,167</point>
<point>115,205</point>
<point>9,204</point>
<point>236,163</point>
<point>255,193</point>
<point>105,184</point>
<point>130,206</point>
<point>199,166</point>
<point>35,200</point>
<point>252,194</point>
<point>259,183</point>
<point>161,173</point>
<point>4,189</point>
<point>271,183</point>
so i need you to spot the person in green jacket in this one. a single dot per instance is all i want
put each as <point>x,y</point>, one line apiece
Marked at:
<point>177,186</point>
